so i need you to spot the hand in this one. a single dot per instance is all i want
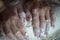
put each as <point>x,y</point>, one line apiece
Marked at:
<point>42,19</point>
<point>12,25</point>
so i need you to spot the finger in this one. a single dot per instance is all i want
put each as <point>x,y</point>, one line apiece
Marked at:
<point>13,26</point>
<point>52,15</point>
<point>47,15</point>
<point>42,18</point>
<point>47,28</point>
<point>13,20</point>
<point>42,21</point>
<point>21,27</point>
<point>26,8</point>
<point>20,23</point>
<point>6,23</point>
<point>23,18</point>
<point>48,21</point>
<point>7,31</point>
<point>35,22</point>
